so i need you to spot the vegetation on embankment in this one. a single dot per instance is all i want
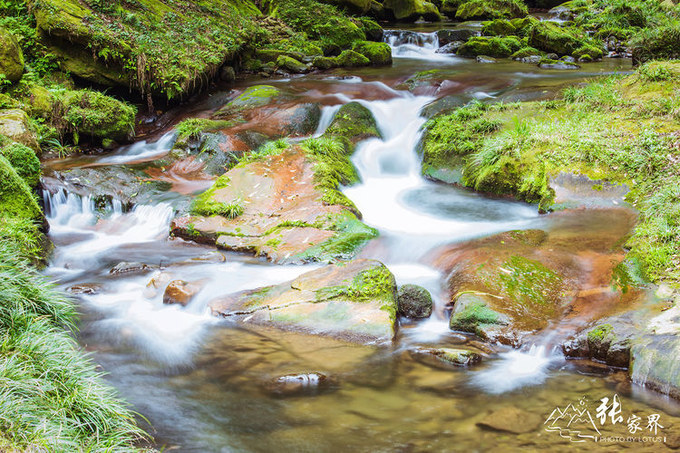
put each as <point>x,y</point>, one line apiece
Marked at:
<point>51,396</point>
<point>618,129</point>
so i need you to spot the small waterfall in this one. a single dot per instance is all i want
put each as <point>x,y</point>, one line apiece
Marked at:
<point>411,44</point>
<point>102,229</point>
<point>142,150</point>
<point>518,368</point>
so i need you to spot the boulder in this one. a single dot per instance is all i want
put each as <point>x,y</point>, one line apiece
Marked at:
<point>450,35</point>
<point>451,47</point>
<point>411,10</point>
<point>14,124</point>
<point>551,37</point>
<point>180,292</point>
<point>353,6</point>
<point>508,286</point>
<point>415,302</point>
<point>351,59</point>
<point>498,27</point>
<point>557,64</point>
<point>354,301</point>
<point>497,47</point>
<point>252,97</point>
<point>11,57</point>
<point>378,53</point>
<point>290,64</point>
<point>286,205</point>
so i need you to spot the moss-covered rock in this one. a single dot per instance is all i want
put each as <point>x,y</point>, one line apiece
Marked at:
<point>354,6</point>
<point>11,57</point>
<point>354,301</point>
<point>446,358</point>
<point>15,125</point>
<point>252,97</point>
<point>372,30</point>
<point>24,161</point>
<point>498,27</point>
<point>551,37</point>
<point>323,23</point>
<point>415,302</point>
<point>499,47</point>
<point>91,113</point>
<point>159,47</point>
<point>351,59</point>
<point>525,52</point>
<point>412,10</point>
<point>325,62</point>
<point>472,314</point>
<point>290,64</point>
<point>16,198</point>
<point>352,124</point>
<point>491,9</point>
<point>378,53</point>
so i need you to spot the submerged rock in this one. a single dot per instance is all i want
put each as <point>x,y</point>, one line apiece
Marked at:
<point>446,357</point>
<point>485,59</point>
<point>415,302</point>
<point>125,267</point>
<point>512,420</point>
<point>299,384</point>
<point>354,301</point>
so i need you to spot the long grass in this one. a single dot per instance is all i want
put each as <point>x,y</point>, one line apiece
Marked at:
<point>51,396</point>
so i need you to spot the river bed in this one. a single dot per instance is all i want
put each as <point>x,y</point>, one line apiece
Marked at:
<point>203,383</point>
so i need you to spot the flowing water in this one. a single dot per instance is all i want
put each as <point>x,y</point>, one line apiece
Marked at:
<point>204,383</point>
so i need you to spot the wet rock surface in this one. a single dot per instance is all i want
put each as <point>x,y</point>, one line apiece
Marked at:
<point>354,301</point>
<point>415,302</point>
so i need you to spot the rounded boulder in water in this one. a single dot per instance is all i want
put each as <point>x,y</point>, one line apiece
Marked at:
<point>414,302</point>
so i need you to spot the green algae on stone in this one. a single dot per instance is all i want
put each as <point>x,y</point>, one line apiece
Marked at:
<point>351,59</point>
<point>551,37</point>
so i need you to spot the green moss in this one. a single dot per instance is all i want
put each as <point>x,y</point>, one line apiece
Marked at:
<point>498,27</point>
<point>320,22</point>
<point>498,47</point>
<point>90,113</point>
<point>524,52</point>
<point>551,37</point>
<point>324,62</point>
<point>378,53</point>
<point>159,47</point>
<point>525,282</point>
<point>16,198</point>
<point>600,333</point>
<point>351,59</point>
<point>194,127</point>
<point>252,97</point>
<point>205,204</point>
<point>411,10</point>
<point>351,124</point>
<point>290,64</point>
<point>11,57</point>
<point>24,161</point>
<point>491,9</point>
<point>474,316</point>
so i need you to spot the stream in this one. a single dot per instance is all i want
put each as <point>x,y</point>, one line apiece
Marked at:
<point>201,382</point>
